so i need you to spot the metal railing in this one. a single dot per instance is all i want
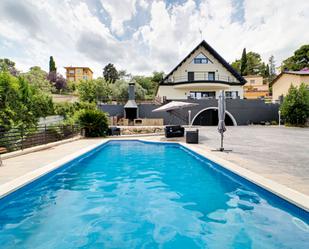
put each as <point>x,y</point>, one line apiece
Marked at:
<point>202,76</point>
<point>20,138</point>
<point>124,100</point>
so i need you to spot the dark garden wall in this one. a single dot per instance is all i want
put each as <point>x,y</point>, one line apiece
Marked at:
<point>243,111</point>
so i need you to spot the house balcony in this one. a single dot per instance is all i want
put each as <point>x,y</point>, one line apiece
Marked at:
<point>202,77</point>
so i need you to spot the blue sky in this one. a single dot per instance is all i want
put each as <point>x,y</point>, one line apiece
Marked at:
<point>142,36</point>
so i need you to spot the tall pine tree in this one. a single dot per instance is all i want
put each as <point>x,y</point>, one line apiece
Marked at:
<point>243,63</point>
<point>52,65</point>
<point>110,73</point>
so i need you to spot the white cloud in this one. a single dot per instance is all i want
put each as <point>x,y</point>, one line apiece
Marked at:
<point>32,30</point>
<point>119,11</point>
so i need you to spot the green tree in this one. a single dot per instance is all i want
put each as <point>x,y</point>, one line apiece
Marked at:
<point>145,87</point>
<point>249,64</point>
<point>8,96</point>
<point>52,65</point>
<point>38,79</point>
<point>42,104</point>
<point>295,106</point>
<point>110,73</point>
<point>20,103</point>
<point>94,90</point>
<point>9,66</point>
<point>68,110</point>
<point>236,65</point>
<point>120,90</point>
<point>149,83</point>
<point>298,61</point>
<point>272,68</point>
<point>58,82</point>
<point>243,63</point>
<point>157,76</point>
<point>254,64</point>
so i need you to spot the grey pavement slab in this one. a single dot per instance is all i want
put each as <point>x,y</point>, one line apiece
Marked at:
<point>281,154</point>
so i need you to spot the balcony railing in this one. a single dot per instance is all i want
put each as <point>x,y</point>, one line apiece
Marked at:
<point>204,76</point>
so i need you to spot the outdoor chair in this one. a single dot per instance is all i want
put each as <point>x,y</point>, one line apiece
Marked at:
<point>174,131</point>
<point>113,131</point>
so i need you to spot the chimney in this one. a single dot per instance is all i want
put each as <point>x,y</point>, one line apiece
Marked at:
<point>131,108</point>
<point>131,91</point>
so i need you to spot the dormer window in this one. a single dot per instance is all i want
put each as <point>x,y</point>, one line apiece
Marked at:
<point>201,59</point>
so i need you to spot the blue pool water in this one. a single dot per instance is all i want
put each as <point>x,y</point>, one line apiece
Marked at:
<point>130,194</point>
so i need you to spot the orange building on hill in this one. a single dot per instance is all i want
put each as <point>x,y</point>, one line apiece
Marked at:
<point>78,73</point>
<point>255,88</point>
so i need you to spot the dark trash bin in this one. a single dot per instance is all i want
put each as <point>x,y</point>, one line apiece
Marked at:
<point>192,137</point>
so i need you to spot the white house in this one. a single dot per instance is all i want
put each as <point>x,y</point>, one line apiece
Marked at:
<point>201,75</point>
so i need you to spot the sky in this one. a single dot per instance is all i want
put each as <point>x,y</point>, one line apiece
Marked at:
<point>142,36</point>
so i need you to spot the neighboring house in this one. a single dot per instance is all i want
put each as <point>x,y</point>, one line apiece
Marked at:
<point>281,84</point>
<point>201,75</point>
<point>254,88</point>
<point>78,73</point>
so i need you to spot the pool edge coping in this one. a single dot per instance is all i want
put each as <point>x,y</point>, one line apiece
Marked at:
<point>21,181</point>
<point>294,197</point>
<point>299,199</point>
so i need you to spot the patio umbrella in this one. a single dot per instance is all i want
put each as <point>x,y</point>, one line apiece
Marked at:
<point>221,117</point>
<point>173,106</point>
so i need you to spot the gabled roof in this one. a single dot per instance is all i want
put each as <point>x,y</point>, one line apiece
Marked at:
<point>300,73</point>
<point>214,54</point>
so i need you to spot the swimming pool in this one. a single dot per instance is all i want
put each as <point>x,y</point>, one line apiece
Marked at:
<point>132,194</point>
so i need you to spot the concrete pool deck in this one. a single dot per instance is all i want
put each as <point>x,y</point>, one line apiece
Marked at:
<point>278,154</point>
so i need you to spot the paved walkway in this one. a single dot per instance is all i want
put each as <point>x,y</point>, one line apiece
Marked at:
<point>20,165</point>
<point>280,154</point>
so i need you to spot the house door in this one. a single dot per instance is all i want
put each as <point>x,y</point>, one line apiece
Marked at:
<point>190,76</point>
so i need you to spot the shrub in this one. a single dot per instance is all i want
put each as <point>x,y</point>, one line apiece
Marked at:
<point>295,106</point>
<point>67,110</point>
<point>94,122</point>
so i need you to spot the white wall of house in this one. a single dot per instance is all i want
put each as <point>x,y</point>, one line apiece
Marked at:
<point>213,66</point>
<point>170,92</point>
<point>223,79</point>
